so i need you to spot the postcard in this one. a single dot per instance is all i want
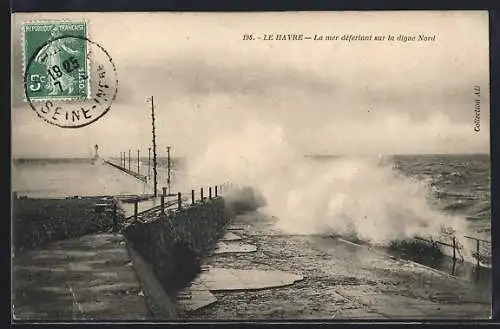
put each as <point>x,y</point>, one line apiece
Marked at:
<point>251,166</point>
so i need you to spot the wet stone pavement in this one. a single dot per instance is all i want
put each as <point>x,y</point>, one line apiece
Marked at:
<point>87,278</point>
<point>340,281</point>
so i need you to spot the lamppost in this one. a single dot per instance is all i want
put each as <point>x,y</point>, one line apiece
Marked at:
<point>168,169</point>
<point>138,162</point>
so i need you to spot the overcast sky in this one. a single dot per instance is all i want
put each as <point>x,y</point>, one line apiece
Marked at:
<point>327,96</point>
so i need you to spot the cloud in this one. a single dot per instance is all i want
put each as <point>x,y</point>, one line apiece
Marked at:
<point>289,87</point>
<point>197,102</point>
<point>337,98</point>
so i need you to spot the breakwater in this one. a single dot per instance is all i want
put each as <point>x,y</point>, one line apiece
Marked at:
<point>173,243</point>
<point>128,171</point>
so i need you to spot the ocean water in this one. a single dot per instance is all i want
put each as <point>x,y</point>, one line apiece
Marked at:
<point>59,178</point>
<point>458,184</point>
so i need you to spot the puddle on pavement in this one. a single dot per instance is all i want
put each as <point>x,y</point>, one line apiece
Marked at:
<point>223,279</point>
<point>230,236</point>
<point>234,247</point>
<point>479,276</point>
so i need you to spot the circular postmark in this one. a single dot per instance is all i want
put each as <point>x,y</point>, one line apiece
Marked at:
<point>70,81</point>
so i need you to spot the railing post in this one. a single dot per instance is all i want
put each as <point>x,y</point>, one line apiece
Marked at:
<point>215,190</point>
<point>136,209</point>
<point>477,251</point>
<point>192,196</point>
<point>164,189</point>
<point>201,194</point>
<point>115,217</point>
<point>162,203</point>
<point>210,192</point>
<point>179,200</point>
<point>454,252</point>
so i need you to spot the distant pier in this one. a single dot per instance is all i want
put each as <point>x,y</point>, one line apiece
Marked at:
<point>140,177</point>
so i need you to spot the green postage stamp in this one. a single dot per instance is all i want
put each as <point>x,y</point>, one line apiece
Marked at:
<point>56,65</point>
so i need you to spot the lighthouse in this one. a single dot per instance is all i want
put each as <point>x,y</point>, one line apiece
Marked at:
<point>96,155</point>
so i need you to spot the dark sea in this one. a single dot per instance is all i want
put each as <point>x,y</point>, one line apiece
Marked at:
<point>459,184</point>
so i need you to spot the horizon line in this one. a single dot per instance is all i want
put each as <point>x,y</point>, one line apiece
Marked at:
<point>305,155</point>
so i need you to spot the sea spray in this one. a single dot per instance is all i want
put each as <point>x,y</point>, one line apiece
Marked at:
<point>359,196</point>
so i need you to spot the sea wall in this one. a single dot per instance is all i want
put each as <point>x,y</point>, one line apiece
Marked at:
<point>39,221</point>
<point>174,244</point>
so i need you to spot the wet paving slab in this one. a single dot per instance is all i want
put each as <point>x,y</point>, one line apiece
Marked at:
<point>195,297</point>
<point>226,279</point>
<point>234,247</point>
<point>230,236</point>
<point>87,278</point>
<point>340,281</point>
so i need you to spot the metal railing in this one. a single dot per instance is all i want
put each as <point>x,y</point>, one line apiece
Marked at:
<point>457,248</point>
<point>177,204</point>
<point>477,254</point>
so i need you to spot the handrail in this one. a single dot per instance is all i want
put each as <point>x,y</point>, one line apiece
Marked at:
<point>434,241</point>
<point>152,210</point>
<point>473,238</point>
<point>179,201</point>
<point>455,246</point>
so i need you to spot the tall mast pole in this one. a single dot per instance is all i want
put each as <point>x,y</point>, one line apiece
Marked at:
<point>149,163</point>
<point>154,147</point>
